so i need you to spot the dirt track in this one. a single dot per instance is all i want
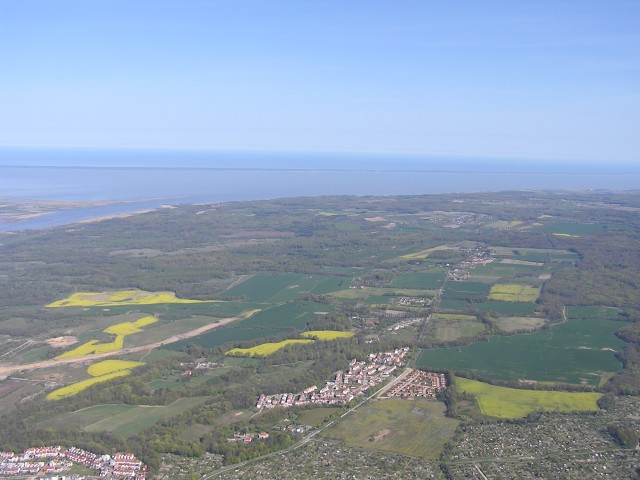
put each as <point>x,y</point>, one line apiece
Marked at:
<point>9,369</point>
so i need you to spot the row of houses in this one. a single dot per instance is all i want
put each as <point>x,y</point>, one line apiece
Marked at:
<point>419,384</point>
<point>346,385</point>
<point>58,460</point>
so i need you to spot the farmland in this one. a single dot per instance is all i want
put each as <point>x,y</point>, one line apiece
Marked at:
<point>76,388</point>
<point>221,336</point>
<point>289,315</point>
<point>502,402</point>
<point>281,274</point>
<point>420,280</point>
<point>506,308</point>
<point>117,298</point>
<point>327,334</point>
<point>285,287</point>
<point>514,293</point>
<point>573,352</point>
<point>122,420</point>
<point>101,372</point>
<point>414,427</point>
<point>120,330</point>
<point>265,349</point>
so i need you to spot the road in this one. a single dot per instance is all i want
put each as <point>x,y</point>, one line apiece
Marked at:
<point>309,437</point>
<point>11,369</point>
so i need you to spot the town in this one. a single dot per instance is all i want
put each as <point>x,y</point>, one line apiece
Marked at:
<point>55,460</point>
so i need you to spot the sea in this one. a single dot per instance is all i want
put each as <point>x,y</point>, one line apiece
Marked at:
<point>127,180</point>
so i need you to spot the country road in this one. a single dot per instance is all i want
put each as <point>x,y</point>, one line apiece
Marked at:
<point>10,369</point>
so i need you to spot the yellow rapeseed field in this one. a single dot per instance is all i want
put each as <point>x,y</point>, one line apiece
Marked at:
<point>510,292</point>
<point>109,366</point>
<point>120,330</point>
<point>119,297</point>
<point>101,372</point>
<point>264,349</point>
<point>327,334</point>
<point>503,402</point>
<point>75,388</point>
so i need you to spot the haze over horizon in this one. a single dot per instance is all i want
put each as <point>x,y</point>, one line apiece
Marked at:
<point>525,80</point>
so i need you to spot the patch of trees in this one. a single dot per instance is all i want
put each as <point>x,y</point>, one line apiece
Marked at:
<point>626,437</point>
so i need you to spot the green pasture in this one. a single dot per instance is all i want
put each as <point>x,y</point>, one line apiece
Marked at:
<point>507,308</point>
<point>453,316</point>
<point>366,292</point>
<point>136,418</point>
<point>315,417</point>
<point>495,271</point>
<point>220,336</point>
<point>290,315</point>
<point>450,330</point>
<point>595,312</point>
<point>462,290</point>
<point>535,254</point>
<point>217,309</point>
<point>574,352</point>
<point>285,287</point>
<point>502,402</point>
<point>420,280</point>
<point>568,228</point>
<point>415,427</point>
<point>514,324</point>
<point>454,304</point>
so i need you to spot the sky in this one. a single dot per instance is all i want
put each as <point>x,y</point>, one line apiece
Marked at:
<point>525,79</point>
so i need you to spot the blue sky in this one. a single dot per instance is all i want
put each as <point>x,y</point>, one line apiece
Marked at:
<point>522,79</point>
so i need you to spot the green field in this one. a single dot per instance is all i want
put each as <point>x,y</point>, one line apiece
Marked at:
<point>502,402</point>
<point>514,324</point>
<point>285,287</point>
<point>450,330</point>
<point>511,292</point>
<point>124,422</point>
<point>315,417</point>
<point>453,304</point>
<point>567,228</point>
<point>220,336</point>
<point>577,351</point>
<point>535,254</point>
<point>496,271</point>
<point>290,315</point>
<point>420,280</point>
<point>507,308</point>
<point>453,316</point>
<point>414,427</point>
<point>602,313</point>
<point>462,290</point>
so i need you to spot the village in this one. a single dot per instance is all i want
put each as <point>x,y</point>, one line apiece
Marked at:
<point>356,380</point>
<point>54,460</point>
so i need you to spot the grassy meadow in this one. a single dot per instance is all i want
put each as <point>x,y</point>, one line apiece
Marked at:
<point>415,427</point>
